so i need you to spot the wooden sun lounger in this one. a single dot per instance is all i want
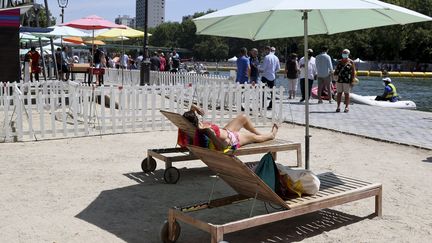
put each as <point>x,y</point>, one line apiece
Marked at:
<point>172,175</point>
<point>334,190</point>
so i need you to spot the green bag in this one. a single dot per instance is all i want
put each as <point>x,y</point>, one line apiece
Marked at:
<point>267,171</point>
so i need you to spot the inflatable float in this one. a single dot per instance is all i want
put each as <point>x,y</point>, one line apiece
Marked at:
<point>324,94</point>
<point>370,100</point>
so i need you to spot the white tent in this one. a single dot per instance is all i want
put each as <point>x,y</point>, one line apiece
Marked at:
<point>65,31</point>
<point>358,60</point>
<point>233,59</point>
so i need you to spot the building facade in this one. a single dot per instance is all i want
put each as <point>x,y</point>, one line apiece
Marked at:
<point>156,12</point>
<point>125,20</point>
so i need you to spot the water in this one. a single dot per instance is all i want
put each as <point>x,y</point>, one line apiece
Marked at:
<point>417,90</point>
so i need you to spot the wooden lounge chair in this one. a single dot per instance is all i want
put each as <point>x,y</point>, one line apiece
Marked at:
<point>334,190</point>
<point>172,175</point>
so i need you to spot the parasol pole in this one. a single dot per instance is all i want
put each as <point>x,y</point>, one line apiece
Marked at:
<point>122,57</point>
<point>306,80</point>
<point>43,59</point>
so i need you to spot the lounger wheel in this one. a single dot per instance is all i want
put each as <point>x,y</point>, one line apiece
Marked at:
<point>148,165</point>
<point>171,175</point>
<point>165,232</point>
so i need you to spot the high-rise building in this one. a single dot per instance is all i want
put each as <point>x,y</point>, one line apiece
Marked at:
<point>125,20</point>
<point>156,13</point>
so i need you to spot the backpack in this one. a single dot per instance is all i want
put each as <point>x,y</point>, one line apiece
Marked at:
<point>268,172</point>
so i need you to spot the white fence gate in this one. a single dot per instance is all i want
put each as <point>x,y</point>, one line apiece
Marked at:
<point>55,109</point>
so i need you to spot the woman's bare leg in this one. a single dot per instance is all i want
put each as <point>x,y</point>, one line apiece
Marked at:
<point>242,121</point>
<point>247,138</point>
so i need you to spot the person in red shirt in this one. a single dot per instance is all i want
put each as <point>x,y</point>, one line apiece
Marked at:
<point>35,69</point>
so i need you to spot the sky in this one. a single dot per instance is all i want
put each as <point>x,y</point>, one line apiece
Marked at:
<point>110,9</point>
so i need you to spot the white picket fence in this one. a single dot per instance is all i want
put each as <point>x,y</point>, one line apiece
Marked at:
<point>132,78</point>
<point>55,109</point>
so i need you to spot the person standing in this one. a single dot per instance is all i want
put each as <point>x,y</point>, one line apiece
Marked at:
<point>154,62</point>
<point>243,67</point>
<point>35,69</point>
<point>162,61</point>
<point>175,61</point>
<point>344,74</point>
<point>254,62</point>
<point>124,60</point>
<point>65,62</point>
<point>139,60</point>
<point>97,56</point>
<point>324,73</point>
<point>292,71</point>
<point>269,70</point>
<point>27,67</point>
<point>58,59</point>
<point>311,75</point>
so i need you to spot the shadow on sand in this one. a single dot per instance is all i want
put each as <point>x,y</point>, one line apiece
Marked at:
<point>429,159</point>
<point>136,213</point>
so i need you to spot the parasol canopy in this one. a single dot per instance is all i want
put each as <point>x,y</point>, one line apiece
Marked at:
<point>271,19</point>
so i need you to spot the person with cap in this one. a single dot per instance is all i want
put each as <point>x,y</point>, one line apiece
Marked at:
<point>390,93</point>
<point>269,69</point>
<point>311,75</point>
<point>345,75</point>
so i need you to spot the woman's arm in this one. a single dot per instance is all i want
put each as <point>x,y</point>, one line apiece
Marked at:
<point>218,143</point>
<point>197,109</point>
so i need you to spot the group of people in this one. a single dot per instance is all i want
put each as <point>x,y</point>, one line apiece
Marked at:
<point>249,68</point>
<point>321,68</point>
<point>160,62</point>
<point>332,80</point>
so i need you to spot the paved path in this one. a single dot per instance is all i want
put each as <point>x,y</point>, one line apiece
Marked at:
<point>408,127</point>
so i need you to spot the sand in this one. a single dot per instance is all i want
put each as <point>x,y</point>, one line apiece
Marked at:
<point>92,190</point>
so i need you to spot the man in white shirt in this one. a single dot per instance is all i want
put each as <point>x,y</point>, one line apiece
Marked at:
<point>269,70</point>
<point>124,61</point>
<point>311,75</point>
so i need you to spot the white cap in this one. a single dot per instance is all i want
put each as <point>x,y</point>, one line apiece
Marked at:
<point>387,79</point>
<point>346,51</point>
<point>310,51</point>
<point>273,49</point>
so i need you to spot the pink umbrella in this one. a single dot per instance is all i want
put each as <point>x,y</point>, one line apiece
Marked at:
<point>93,22</point>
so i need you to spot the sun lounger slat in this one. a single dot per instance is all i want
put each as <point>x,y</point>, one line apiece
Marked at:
<point>360,182</point>
<point>333,184</point>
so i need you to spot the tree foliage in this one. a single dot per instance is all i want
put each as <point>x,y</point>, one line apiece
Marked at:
<point>411,42</point>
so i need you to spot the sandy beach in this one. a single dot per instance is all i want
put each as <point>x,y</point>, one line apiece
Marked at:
<point>92,190</point>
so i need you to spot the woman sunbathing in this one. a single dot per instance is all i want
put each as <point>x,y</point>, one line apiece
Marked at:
<point>230,135</point>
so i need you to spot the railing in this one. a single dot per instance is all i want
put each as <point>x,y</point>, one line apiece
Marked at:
<point>55,109</point>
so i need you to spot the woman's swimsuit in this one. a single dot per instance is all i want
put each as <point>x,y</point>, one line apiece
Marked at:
<point>233,136</point>
<point>214,127</point>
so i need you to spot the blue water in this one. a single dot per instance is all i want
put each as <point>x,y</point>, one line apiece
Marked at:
<point>417,90</point>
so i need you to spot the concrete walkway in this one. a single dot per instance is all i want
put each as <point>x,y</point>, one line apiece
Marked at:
<point>407,127</point>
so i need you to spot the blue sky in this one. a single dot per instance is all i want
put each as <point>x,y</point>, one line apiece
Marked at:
<point>109,9</point>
